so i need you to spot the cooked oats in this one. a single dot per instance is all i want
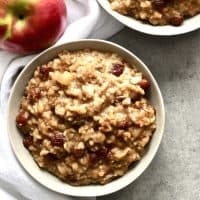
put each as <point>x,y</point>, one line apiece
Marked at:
<point>85,117</point>
<point>157,12</point>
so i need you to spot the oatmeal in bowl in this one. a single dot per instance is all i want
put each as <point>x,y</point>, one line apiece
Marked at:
<point>156,17</point>
<point>158,12</point>
<point>87,117</point>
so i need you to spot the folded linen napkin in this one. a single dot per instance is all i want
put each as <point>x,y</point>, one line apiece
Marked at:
<point>86,20</point>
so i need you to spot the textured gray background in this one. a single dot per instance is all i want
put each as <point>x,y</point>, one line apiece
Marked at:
<point>174,174</point>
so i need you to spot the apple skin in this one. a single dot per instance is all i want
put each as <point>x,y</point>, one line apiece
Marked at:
<point>41,26</point>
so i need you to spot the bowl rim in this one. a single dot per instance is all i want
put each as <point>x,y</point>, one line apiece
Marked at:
<point>162,31</point>
<point>101,192</point>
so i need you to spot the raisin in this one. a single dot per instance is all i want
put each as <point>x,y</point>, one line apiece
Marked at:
<point>123,124</point>
<point>57,140</point>
<point>98,155</point>
<point>21,119</point>
<point>71,178</point>
<point>159,4</point>
<point>28,141</point>
<point>117,69</point>
<point>78,153</point>
<point>34,94</point>
<point>144,83</point>
<point>177,20</point>
<point>109,156</point>
<point>93,158</point>
<point>109,145</point>
<point>51,157</point>
<point>44,71</point>
<point>102,152</point>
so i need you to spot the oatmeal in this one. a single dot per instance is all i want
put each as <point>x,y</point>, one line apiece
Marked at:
<point>85,118</point>
<point>158,12</point>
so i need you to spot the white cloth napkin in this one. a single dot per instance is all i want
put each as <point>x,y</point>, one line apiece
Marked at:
<point>86,20</point>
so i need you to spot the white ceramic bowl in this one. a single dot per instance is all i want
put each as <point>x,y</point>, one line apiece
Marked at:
<point>46,178</point>
<point>189,25</point>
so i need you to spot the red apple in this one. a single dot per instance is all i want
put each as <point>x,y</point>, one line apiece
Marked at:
<point>27,26</point>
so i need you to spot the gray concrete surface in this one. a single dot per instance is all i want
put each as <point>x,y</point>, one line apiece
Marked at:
<point>174,174</point>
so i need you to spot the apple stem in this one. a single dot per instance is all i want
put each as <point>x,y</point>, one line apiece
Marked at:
<point>20,8</point>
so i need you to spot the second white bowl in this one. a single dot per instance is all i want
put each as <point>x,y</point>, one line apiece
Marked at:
<point>189,25</point>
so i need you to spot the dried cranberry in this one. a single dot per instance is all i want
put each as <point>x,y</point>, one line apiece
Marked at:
<point>177,20</point>
<point>117,69</point>
<point>44,71</point>
<point>144,84</point>
<point>28,141</point>
<point>21,119</point>
<point>57,139</point>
